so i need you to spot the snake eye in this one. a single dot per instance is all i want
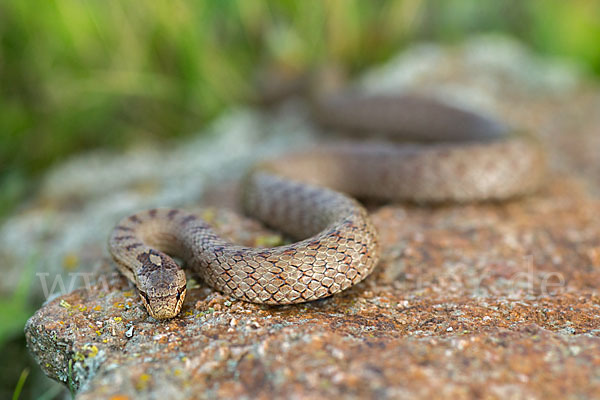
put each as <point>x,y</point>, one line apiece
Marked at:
<point>179,293</point>
<point>145,297</point>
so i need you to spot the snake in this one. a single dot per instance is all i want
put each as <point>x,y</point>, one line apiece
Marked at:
<point>446,154</point>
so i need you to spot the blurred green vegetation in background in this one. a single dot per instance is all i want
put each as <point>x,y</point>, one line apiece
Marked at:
<point>80,74</point>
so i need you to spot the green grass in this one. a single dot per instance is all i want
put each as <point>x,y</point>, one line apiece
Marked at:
<point>83,74</point>
<point>70,382</point>
<point>20,384</point>
<point>15,310</point>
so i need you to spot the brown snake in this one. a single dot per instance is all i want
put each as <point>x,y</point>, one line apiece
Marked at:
<point>301,195</point>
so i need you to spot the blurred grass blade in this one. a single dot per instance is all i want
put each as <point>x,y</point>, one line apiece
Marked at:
<point>20,384</point>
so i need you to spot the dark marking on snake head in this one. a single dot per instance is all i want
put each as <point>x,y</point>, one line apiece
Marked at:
<point>144,257</point>
<point>153,260</point>
<point>152,212</point>
<point>134,218</point>
<point>123,228</point>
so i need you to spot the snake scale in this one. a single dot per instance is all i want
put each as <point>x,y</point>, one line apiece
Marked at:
<point>307,195</point>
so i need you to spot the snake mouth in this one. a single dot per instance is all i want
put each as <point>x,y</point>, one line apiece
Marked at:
<point>164,307</point>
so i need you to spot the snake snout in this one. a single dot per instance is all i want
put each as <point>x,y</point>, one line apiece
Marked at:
<point>164,307</point>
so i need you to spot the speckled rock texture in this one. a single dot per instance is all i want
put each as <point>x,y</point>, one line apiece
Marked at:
<point>468,301</point>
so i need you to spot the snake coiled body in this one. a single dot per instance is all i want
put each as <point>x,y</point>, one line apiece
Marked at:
<point>306,195</point>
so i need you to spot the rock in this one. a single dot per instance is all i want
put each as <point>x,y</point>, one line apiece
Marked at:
<point>468,301</point>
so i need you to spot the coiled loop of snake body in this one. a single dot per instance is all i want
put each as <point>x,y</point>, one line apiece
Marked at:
<point>302,195</point>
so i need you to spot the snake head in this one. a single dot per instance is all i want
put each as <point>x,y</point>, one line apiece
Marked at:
<point>162,284</point>
<point>164,307</point>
